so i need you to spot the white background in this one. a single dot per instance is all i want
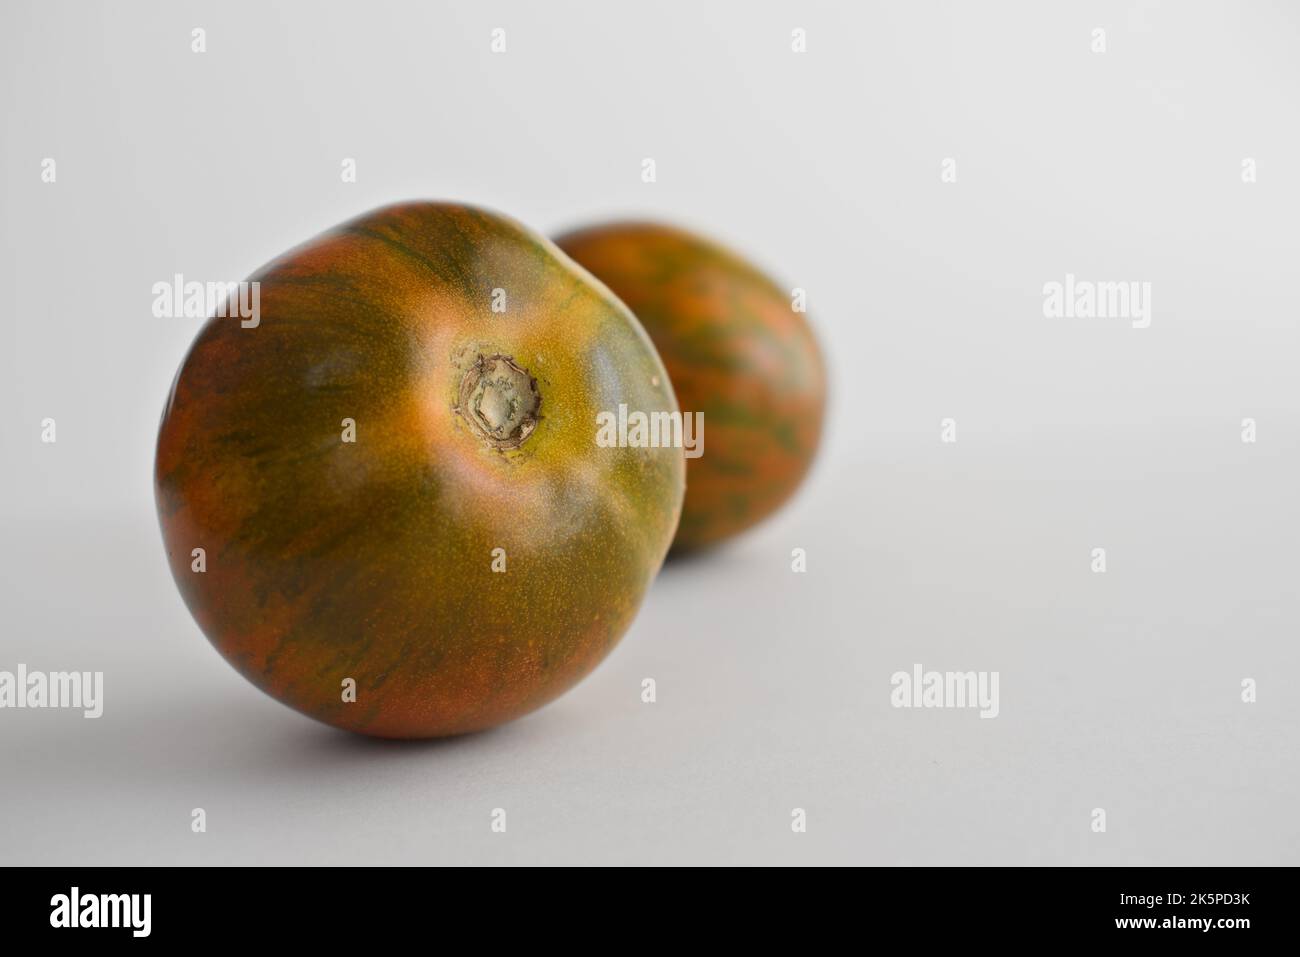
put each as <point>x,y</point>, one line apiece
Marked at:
<point>1119,691</point>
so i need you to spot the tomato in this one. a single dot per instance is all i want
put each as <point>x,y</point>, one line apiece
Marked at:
<point>736,350</point>
<point>388,487</point>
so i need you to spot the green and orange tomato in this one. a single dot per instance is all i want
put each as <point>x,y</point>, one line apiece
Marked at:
<point>737,349</point>
<point>390,483</point>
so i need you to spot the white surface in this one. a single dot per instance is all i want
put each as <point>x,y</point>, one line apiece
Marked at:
<point>1118,691</point>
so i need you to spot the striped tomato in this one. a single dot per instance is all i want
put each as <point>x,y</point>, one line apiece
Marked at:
<point>383,501</point>
<point>737,350</point>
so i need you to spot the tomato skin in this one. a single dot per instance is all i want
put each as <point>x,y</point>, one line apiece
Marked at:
<point>372,560</point>
<point>736,350</point>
